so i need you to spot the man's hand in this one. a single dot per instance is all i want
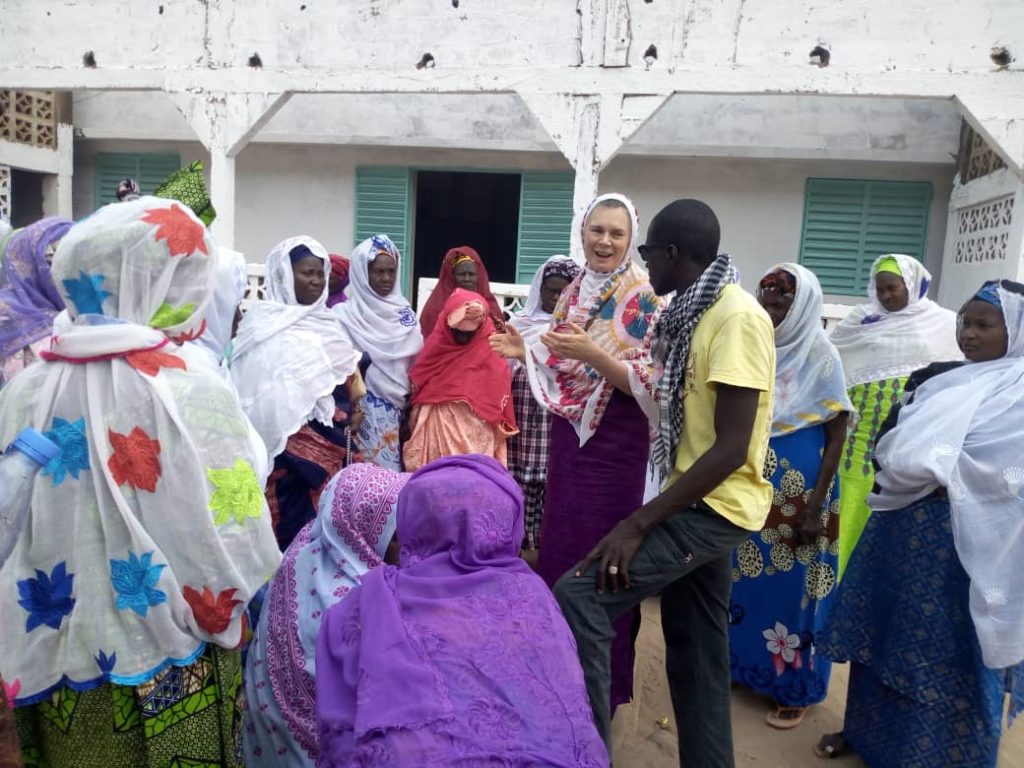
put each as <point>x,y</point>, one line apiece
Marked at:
<point>613,554</point>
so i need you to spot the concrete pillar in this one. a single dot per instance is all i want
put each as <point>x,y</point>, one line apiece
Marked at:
<point>222,194</point>
<point>225,123</point>
<point>589,131</point>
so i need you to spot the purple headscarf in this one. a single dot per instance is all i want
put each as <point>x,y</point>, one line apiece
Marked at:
<point>28,298</point>
<point>352,530</point>
<point>460,655</point>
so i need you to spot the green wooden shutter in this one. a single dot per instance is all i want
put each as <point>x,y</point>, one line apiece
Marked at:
<point>148,169</point>
<point>382,207</point>
<point>848,223</point>
<point>545,220</point>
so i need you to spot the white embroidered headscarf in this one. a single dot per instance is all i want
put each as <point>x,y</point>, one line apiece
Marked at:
<point>876,344</point>
<point>288,357</point>
<point>149,533</point>
<point>533,320</point>
<point>384,327</point>
<point>809,383</point>
<point>963,432</point>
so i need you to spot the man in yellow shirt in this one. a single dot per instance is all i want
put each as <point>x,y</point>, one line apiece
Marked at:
<point>716,346</point>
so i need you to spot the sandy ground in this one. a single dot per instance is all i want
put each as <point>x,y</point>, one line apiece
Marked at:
<point>641,742</point>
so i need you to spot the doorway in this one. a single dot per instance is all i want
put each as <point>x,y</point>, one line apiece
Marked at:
<point>26,197</point>
<point>480,210</point>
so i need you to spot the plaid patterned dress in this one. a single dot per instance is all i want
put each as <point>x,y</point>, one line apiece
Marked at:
<point>528,453</point>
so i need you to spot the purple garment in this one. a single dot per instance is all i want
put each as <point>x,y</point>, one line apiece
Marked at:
<point>460,656</point>
<point>590,489</point>
<point>28,298</point>
<point>336,298</point>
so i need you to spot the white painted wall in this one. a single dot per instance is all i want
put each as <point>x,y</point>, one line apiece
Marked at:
<point>759,203</point>
<point>283,190</point>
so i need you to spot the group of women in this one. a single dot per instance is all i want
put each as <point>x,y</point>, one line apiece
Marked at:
<point>370,446</point>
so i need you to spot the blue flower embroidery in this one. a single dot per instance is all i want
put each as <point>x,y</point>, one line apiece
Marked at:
<point>74,451</point>
<point>47,598</point>
<point>135,581</point>
<point>106,663</point>
<point>86,293</point>
<point>407,317</point>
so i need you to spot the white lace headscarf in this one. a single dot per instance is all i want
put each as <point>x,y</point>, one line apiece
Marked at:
<point>288,357</point>
<point>384,327</point>
<point>809,384</point>
<point>876,344</point>
<point>963,431</point>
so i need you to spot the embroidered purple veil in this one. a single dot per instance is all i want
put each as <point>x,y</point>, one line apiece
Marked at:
<point>460,655</point>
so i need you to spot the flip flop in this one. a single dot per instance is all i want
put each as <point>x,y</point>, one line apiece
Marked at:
<point>785,718</point>
<point>831,746</point>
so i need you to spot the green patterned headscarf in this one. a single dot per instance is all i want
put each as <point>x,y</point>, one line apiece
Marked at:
<point>187,185</point>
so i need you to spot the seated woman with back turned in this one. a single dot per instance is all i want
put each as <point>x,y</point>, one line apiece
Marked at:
<point>459,656</point>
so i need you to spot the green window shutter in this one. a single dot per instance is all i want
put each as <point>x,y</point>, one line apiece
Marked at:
<point>148,169</point>
<point>848,223</point>
<point>382,207</point>
<point>545,220</point>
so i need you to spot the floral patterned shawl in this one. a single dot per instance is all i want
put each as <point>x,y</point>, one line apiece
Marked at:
<point>620,316</point>
<point>149,533</point>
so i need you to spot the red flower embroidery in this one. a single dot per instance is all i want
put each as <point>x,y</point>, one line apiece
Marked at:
<point>136,459</point>
<point>150,361</point>
<point>183,234</point>
<point>181,338</point>
<point>213,613</point>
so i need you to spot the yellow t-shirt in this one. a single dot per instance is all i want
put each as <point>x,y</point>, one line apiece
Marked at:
<point>734,344</point>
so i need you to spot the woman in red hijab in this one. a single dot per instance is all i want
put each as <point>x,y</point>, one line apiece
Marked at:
<point>462,268</point>
<point>461,388</point>
<point>338,280</point>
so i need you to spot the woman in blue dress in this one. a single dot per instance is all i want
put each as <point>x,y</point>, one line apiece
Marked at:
<point>930,613</point>
<point>785,575</point>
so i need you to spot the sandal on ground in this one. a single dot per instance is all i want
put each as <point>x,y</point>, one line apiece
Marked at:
<point>832,745</point>
<point>785,718</point>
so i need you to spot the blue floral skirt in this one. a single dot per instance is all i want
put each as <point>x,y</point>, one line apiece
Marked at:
<point>782,592</point>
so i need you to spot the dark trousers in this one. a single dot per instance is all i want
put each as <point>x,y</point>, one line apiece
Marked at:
<point>688,561</point>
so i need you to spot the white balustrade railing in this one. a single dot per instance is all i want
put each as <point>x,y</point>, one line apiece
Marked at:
<point>511,296</point>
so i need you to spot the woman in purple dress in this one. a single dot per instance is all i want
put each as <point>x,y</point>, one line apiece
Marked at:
<point>587,370</point>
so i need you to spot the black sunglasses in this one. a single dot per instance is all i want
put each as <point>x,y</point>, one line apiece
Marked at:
<point>646,251</point>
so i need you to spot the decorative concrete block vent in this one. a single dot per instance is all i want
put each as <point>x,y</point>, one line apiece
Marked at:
<point>29,117</point>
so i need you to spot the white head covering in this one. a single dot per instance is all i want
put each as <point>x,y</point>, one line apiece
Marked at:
<point>289,357</point>
<point>809,384</point>
<point>384,327</point>
<point>228,292</point>
<point>149,533</point>
<point>877,344</point>
<point>533,320</point>
<point>593,280</point>
<point>963,432</point>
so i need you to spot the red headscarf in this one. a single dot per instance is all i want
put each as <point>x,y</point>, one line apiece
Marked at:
<point>447,371</point>
<point>339,270</point>
<point>446,284</point>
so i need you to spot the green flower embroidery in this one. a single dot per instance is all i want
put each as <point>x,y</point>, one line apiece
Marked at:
<point>238,493</point>
<point>167,316</point>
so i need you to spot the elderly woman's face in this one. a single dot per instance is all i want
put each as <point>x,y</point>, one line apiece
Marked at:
<point>382,274</point>
<point>310,276</point>
<point>551,291</point>
<point>466,276</point>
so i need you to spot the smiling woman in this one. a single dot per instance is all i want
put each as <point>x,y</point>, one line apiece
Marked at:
<point>584,370</point>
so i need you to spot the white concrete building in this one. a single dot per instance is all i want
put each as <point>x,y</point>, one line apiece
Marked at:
<point>819,132</point>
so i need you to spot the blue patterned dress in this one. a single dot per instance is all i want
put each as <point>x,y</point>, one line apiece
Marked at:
<point>782,592</point>
<point>919,693</point>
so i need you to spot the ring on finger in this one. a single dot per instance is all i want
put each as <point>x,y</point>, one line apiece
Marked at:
<point>613,569</point>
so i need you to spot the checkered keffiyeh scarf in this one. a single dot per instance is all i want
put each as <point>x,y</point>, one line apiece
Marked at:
<point>672,349</point>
